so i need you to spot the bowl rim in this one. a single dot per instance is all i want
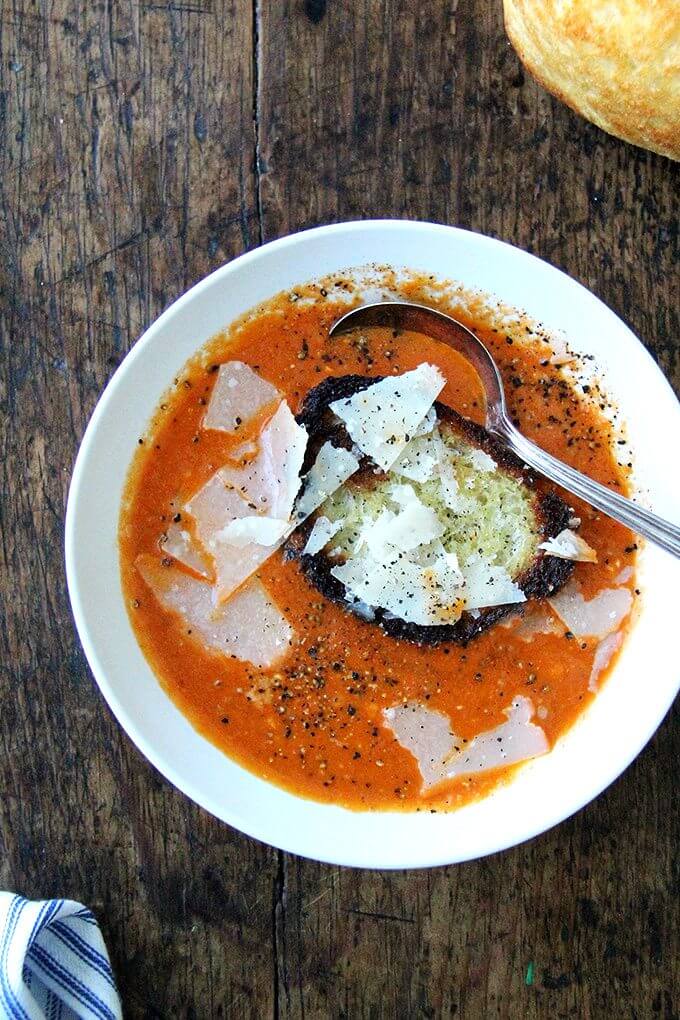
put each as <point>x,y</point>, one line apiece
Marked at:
<point>359,857</point>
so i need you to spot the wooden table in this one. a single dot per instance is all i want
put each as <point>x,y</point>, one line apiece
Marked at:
<point>142,145</point>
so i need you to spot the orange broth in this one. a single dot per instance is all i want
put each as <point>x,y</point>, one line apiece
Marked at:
<point>313,724</point>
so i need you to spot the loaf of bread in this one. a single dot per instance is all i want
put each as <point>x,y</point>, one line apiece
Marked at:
<point>616,62</point>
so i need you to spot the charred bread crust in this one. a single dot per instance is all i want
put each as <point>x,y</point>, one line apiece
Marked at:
<point>547,574</point>
<point>316,403</point>
<point>321,424</point>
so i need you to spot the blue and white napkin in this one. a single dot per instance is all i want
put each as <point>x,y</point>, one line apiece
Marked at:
<point>53,962</point>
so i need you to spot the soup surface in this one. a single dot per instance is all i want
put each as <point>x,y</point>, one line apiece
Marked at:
<point>315,723</point>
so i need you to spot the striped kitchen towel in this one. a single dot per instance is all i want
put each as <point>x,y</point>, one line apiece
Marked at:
<point>53,962</point>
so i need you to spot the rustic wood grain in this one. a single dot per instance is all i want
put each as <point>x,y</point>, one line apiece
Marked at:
<point>127,173</point>
<point>141,145</point>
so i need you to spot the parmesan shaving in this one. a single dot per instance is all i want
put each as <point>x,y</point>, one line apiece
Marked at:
<point>332,467</point>
<point>213,506</point>
<point>238,396</point>
<point>481,461</point>
<point>441,755</point>
<point>179,544</point>
<point>235,564</point>
<point>243,513</point>
<point>420,457</point>
<point>624,576</point>
<point>604,653</point>
<point>414,592</point>
<point>282,450</point>
<point>249,627</point>
<point>450,489</point>
<point>535,621</point>
<point>596,617</point>
<point>569,546</point>
<point>270,482</point>
<point>321,533</point>
<point>427,424</point>
<point>488,585</point>
<point>414,525</point>
<point>384,417</point>
<point>401,494</point>
<point>248,530</point>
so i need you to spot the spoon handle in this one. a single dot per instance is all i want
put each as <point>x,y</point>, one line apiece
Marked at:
<point>642,521</point>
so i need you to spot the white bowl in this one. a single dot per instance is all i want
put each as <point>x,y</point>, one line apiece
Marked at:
<point>590,756</point>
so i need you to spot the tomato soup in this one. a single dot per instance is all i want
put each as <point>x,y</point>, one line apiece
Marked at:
<point>314,724</point>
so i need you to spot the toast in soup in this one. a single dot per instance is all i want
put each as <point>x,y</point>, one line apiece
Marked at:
<point>443,537</point>
<point>355,591</point>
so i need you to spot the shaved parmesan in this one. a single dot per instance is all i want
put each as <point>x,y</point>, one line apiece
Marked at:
<point>332,467</point>
<point>427,424</point>
<point>238,396</point>
<point>481,461</point>
<point>434,554</point>
<point>214,508</point>
<point>535,621</point>
<point>282,446</point>
<point>417,593</point>
<point>320,535</point>
<point>597,617</point>
<point>414,525</point>
<point>489,585</point>
<point>441,755</point>
<point>259,530</point>
<point>402,494</point>
<point>400,565</point>
<point>426,733</point>
<point>569,546</point>
<point>384,417</point>
<point>516,740</point>
<point>269,484</point>
<point>179,544</point>
<point>214,505</point>
<point>604,653</point>
<point>249,627</point>
<point>244,450</point>
<point>235,564</point>
<point>451,494</point>
<point>420,457</point>
<point>239,538</point>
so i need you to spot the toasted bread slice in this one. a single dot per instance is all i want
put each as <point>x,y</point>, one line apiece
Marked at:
<point>492,507</point>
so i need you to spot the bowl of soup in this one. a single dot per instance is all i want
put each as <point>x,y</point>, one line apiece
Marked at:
<point>324,601</point>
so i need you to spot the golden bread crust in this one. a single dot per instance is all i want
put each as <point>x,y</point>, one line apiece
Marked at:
<point>616,62</point>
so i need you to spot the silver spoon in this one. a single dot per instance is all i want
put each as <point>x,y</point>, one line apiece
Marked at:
<point>421,319</point>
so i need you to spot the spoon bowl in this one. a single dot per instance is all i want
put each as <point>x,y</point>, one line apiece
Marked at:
<point>403,315</point>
